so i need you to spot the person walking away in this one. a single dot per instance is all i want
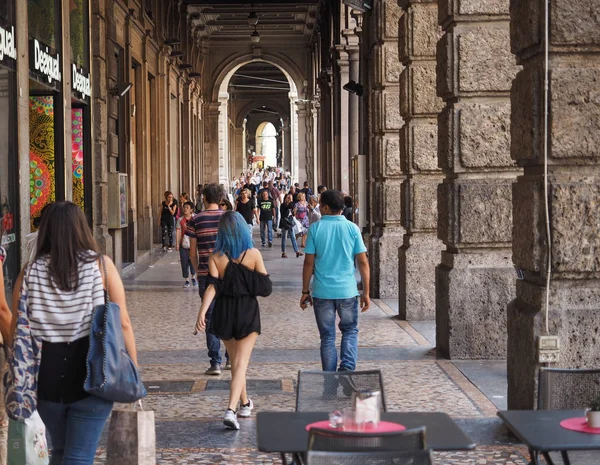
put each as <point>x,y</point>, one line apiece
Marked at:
<point>301,214</point>
<point>333,245</point>
<point>65,283</point>
<point>183,246</point>
<point>287,208</point>
<point>267,212</point>
<point>245,206</point>
<point>314,212</point>
<point>166,215</point>
<point>237,275</point>
<point>202,231</point>
<point>5,323</point>
<point>307,190</point>
<point>348,211</point>
<point>276,196</point>
<point>265,187</point>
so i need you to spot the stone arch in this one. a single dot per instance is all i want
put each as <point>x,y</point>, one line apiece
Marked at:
<point>230,65</point>
<point>278,107</point>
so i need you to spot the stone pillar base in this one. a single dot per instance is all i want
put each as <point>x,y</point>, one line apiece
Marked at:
<point>418,257</point>
<point>472,292</point>
<point>104,240</point>
<point>574,318</point>
<point>117,240</point>
<point>145,230</point>
<point>384,252</point>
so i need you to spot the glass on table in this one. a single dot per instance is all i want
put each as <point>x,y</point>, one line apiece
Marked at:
<point>352,422</point>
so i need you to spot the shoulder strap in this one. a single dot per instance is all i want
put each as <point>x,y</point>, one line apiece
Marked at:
<point>105,273</point>
<point>227,255</point>
<point>243,256</point>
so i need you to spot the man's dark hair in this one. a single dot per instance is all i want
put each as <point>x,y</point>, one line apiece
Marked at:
<point>348,202</point>
<point>305,183</point>
<point>213,193</point>
<point>265,183</point>
<point>321,189</point>
<point>189,204</point>
<point>333,199</point>
<point>296,185</point>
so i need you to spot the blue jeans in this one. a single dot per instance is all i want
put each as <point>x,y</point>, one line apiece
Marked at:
<point>276,223</point>
<point>213,343</point>
<point>186,263</point>
<point>75,428</point>
<point>284,235</point>
<point>325,312</point>
<point>268,225</point>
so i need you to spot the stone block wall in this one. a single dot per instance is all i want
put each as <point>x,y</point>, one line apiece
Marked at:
<point>386,120</point>
<point>475,280</point>
<point>573,190</point>
<point>419,107</point>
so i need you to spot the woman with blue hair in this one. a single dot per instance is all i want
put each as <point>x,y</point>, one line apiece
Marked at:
<point>237,275</point>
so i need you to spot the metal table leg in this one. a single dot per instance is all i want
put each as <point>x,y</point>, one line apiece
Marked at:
<point>535,457</point>
<point>565,457</point>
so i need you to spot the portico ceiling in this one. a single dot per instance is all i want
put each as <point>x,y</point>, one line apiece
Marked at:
<point>227,20</point>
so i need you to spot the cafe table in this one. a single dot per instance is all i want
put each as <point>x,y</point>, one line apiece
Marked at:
<point>541,432</point>
<point>285,432</point>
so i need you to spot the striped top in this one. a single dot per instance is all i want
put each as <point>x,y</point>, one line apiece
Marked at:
<point>204,227</point>
<point>62,316</point>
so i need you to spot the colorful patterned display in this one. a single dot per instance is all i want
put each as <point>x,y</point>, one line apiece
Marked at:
<point>41,155</point>
<point>77,156</point>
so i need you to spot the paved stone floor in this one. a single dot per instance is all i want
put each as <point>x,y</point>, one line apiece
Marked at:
<point>189,405</point>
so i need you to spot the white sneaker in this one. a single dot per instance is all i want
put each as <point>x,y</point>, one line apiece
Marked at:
<point>246,410</point>
<point>230,420</point>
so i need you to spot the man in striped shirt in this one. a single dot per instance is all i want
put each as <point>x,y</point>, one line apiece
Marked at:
<point>202,231</point>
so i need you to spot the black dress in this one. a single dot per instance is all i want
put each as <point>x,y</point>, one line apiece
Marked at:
<point>236,313</point>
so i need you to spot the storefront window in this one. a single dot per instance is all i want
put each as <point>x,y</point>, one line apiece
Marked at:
<point>79,39</point>
<point>77,151</point>
<point>42,21</point>
<point>41,155</point>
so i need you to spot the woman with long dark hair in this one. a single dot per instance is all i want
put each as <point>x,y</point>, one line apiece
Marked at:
<point>64,284</point>
<point>166,220</point>
<point>237,275</point>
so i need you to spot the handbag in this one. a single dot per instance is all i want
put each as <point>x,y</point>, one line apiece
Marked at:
<point>297,227</point>
<point>287,222</point>
<point>111,373</point>
<point>23,359</point>
<point>131,438</point>
<point>27,444</point>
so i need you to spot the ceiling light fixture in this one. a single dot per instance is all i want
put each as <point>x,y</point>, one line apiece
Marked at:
<point>194,75</point>
<point>176,53</point>
<point>185,66</point>
<point>255,36</point>
<point>252,17</point>
<point>172,41</point>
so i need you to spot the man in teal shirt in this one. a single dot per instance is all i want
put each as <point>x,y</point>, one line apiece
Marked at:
<point>332,246</point>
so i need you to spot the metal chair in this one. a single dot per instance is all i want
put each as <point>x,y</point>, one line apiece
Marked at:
<point>350,441</point>
<point>326,391</point>
<point>369,458</point>
<point>567,389</point>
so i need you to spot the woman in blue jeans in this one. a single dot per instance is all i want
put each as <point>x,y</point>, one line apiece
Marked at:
<point>286,209</point>
<point>64,284</point>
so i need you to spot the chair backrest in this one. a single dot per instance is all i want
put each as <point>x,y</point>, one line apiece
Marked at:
<point>346,441</point>
<point>326,391</point>
<point>369,458</point>
<point>564,389</point>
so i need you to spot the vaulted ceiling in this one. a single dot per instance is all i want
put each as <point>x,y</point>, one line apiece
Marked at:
<point>278,21</point>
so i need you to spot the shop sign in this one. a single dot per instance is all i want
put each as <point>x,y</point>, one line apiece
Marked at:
<point>82,82</point>
<point>8,46</point>
<point>8,239</point>
<point>44,64</point>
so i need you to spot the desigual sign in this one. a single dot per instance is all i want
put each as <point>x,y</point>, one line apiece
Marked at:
<point>81,82</point>
<point>8,47</point>
<point>45,64</point>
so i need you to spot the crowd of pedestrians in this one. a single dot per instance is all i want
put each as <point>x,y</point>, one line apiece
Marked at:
<point>68,278</point>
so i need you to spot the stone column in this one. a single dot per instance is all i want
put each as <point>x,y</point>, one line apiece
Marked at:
<point>287,144</point>
<point>419,106</point>
<point>386,204</point>
<point>573,190</point>
<point>341,121</point>
<point>99,125</point>
<point>304,148</point>
<point>475,280</point>
<point>238,153</point>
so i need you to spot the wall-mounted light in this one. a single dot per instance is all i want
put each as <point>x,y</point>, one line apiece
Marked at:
<point>176,54</point>
<point>195,75</point>
<point>255,36</point>
<point>184,66</point>
<point>172,41</point>
<point>354,88</point>
<point>122,89</point>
